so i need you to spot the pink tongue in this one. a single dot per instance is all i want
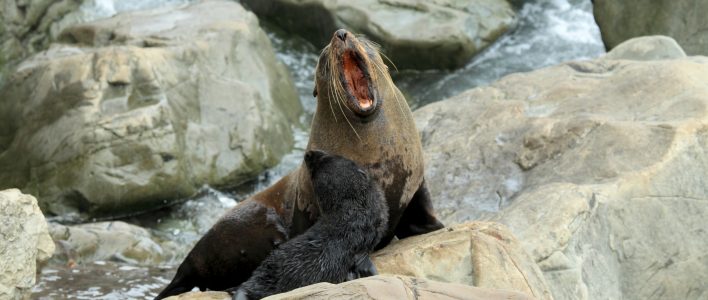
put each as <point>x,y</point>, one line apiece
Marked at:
<point>358,85</point>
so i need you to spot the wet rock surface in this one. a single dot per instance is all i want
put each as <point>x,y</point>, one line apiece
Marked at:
<point>24,243</point>
<point>598,167</point>
<point>415,34</point>
<point>126,118</point>
<point>116,241</point>
<point>684,21</point>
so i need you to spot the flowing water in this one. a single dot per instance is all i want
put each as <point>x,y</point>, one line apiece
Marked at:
<point>548,32</point>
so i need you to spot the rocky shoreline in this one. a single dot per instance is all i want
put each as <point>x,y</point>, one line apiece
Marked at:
<point>583,180</point>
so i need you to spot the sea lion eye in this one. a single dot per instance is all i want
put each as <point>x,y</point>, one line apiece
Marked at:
<point>314,92</point>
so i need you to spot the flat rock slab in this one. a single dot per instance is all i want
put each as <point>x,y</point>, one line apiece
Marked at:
<point>379,287</point>
<point>481,254</point>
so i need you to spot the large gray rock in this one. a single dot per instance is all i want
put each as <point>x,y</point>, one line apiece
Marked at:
<point>30,26</point>
<point>381,287</point>
<point>146,107</point>
<point>24,243</point>
<point>598,167</point>
<point>414,33</point>
<point>481,254</point>
<point>683,20</point>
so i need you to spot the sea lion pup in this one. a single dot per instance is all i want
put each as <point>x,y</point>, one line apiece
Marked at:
<point>360,115</point>
<point>353,220</point>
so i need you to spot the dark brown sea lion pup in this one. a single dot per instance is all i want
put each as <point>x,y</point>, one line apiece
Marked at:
<point>353,220</point>
<point>360,115</point>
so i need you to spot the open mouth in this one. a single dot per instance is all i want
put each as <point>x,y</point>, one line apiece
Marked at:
<point>357,81</point>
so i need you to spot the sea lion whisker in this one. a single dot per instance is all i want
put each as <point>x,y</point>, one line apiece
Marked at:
<point>329,99</point>
<point>338,88</point>
<point>391,87</point>
<point>389,60</point>
<point>347,119</point>
<point>331,67</point>
<point>329,92</point>
<point>341,96</point>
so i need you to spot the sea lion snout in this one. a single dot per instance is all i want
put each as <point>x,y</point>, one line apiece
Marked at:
<point>341,34</point>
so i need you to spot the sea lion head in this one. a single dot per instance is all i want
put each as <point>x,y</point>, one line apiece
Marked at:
<point>336,177</point>
<point>351,78</point>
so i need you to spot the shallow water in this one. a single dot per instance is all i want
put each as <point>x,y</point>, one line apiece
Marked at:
<point>101,280</point>
<point>549,32</point>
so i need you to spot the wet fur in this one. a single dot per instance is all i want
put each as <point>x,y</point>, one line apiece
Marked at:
<point>354,218</point>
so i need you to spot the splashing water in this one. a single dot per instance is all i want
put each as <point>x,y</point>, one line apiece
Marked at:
<point>548,32</point>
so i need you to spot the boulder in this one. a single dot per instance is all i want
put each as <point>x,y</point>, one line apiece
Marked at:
<point>684,21</point>
<point>414,34</point>
<point>146,107</point>
<point>379,287</point>
<point>24,243</point>
<point>480,254</point>
<point>647,48</point>
<point>25,27</point>
<point>597,167</point>
<point>114,241</point>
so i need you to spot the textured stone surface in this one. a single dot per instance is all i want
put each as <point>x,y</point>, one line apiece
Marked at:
<point>598,168</point>
<point>115,241</point>
<point>380,287</point>
<point>24,243</point>
<point>201,296</point>
<point>30,26</point>
<point>647,48</point>
<point>481,254</point>
<point>146,107</point>
<point>25,26</point>
<point>414,33</point>
<point>683,20</point>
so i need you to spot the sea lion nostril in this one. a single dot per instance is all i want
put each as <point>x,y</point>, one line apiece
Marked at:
<point>341,34</point>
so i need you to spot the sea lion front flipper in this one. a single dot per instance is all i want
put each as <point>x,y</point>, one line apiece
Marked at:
<point>419,216</point>
<point>229,252</point>
<point>364,267</point>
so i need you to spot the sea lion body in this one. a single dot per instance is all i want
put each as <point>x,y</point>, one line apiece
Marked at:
<point>360,115</point>
<point>353,220</point>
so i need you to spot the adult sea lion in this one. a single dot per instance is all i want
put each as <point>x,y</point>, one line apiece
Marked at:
<point>360,115</point>
<point>353,220</point>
